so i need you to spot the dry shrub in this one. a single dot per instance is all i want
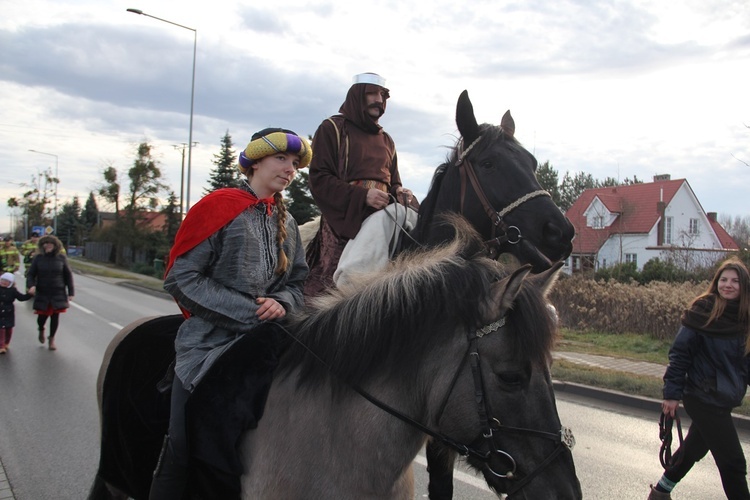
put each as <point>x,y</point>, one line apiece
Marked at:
<point>612,307</point>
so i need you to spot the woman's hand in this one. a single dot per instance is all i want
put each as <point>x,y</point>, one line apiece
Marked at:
<point>32,290</point>
<point>269,309</point>
<point>669,407</point>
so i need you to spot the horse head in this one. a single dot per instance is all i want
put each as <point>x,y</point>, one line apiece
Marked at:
<point>502,404</point>
<point>490,179</point>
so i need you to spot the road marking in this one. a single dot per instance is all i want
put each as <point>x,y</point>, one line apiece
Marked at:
<point>82,308</point>
<point>110,323</point>
<point>474,481</point>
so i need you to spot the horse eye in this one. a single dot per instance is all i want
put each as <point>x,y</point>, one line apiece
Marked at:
<point>487,164</point>
<point>509,378</point>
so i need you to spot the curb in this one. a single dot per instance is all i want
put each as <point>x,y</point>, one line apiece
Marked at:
<point>741,422</point>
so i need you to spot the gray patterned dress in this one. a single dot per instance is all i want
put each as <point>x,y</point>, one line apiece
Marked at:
<point>219,280</point>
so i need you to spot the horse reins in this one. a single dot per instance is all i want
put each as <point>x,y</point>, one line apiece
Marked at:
<point>665,435</point>
<point>564,437</point>
<point>509,234</point>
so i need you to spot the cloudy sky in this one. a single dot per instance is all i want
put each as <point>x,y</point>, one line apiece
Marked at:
<point>614,88</point>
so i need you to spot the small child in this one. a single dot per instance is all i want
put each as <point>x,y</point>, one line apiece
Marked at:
<point>8,294</point>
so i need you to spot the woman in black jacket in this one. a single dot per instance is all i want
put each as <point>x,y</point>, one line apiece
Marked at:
<point>51,282</point>
<point>708,369</point>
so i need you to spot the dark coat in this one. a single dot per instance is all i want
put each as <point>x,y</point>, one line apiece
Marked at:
<point>712,368</point>
<point>53,279</point>
<point>7,309</point>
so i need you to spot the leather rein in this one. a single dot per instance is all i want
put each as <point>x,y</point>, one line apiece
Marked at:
<point>486,448</point>
<point>502,233</point>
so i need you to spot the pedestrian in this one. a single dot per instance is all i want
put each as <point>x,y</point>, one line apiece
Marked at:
<point>29,248</point>
<point>8,294</point>
<point>353,174</point>
<point>708,370</point>
<point>9,253</point>
<point>237,262</point>
<point>50,280</point>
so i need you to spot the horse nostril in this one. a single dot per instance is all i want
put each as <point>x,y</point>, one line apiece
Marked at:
<point>552,233</point>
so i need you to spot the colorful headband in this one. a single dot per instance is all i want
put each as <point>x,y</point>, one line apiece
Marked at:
<point>275,142</point>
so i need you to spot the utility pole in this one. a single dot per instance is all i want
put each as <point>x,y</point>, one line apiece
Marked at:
<point>182,148</point>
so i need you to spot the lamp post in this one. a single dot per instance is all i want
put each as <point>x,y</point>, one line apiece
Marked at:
<point>182,147</point>
<point>57,181</point>
<point>192,96</point>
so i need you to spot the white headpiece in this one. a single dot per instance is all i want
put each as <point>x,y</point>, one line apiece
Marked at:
<point>371,78</point>
<point>9,277</point>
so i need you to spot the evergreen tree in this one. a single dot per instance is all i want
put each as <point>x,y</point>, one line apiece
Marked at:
<point>90,214</point>
<point>225,174</point>
<point>299,201</point>
<point>172,211</point>
<point>70,227</point>
<point>548,179</point>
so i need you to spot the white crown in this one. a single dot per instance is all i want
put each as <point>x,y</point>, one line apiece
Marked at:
<point>370,78</point>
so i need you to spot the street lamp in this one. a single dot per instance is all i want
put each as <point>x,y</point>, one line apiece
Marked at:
<point>57,181</point>
<point>192,95</point>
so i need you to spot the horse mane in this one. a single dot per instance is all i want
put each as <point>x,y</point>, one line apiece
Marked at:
<point>490,134</point>
<point>390,319</point>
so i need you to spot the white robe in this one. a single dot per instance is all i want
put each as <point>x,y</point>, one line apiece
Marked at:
<point>370,250</point>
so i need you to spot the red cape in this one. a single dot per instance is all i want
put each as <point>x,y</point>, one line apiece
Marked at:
<point>211,213</point>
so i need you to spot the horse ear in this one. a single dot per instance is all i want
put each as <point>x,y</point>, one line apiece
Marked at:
<point>507,124</point>
<point>504,293</point>
<point>467,123</point>
<point>547,279</point>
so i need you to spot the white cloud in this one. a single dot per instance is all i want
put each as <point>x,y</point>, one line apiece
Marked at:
<point>614,88</point>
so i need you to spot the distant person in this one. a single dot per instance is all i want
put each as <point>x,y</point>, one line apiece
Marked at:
<point>708,372</point>
<point>8,294</point>
<point>50,280</point>
<point>353,174</point>
<point>237,262</point>
<point>29,248</point>
<point>10,257</point>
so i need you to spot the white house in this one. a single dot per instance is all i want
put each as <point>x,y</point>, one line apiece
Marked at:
<point>638,222</point>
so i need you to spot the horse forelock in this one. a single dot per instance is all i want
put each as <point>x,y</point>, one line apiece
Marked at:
<point>384,323</point>
<point>535,329</point>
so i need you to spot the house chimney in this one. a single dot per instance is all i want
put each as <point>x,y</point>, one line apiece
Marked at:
<point>711,216</point>
<point>660,209</point>
<point>662,177</point>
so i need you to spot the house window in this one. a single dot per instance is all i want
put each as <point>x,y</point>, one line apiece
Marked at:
<point>668,231</point>
<point>631,257</point>
<point>693,226</point>
<point>604,262</point>
<point>598,222</point>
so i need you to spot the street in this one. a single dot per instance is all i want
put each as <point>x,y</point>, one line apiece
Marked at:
<point>49,420</point>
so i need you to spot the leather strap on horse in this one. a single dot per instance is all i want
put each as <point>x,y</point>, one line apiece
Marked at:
<point>497,218</point>
<point>665,435</point>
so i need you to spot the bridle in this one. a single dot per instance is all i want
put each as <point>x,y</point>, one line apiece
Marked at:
<point>507,234</point>
<point>485,449</point>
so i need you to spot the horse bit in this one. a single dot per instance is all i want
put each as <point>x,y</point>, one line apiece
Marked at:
<point>510,234</point>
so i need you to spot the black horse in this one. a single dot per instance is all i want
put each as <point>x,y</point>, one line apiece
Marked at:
<point>490,179</point>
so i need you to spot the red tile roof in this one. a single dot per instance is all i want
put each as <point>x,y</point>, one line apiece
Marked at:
<point>636,205</point>
<point>726,240</point>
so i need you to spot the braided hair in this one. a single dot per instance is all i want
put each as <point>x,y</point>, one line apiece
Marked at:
<point>283,263</point>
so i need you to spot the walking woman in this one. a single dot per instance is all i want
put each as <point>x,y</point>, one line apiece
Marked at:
<point>708,369</point>
<point>237,262</point>
<point>51,282</point>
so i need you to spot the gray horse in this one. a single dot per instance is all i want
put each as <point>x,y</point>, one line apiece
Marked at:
<point>443,343</point>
